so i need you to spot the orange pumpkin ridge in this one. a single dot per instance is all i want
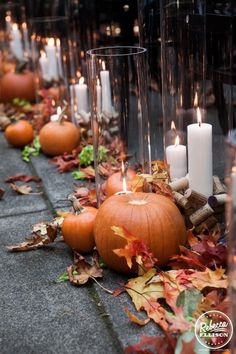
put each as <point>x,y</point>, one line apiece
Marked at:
<point>153,218</point>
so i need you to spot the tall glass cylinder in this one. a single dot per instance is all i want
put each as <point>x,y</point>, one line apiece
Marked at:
<point>14,38</point>
<point>193,137</point>
<point>230,179</point>
<point>120,122</point>
<point>52,57</point>
<point>150,38</point>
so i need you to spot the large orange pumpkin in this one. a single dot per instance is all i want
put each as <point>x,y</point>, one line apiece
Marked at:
<point>59,137</point>
<point>153,218</point>
<point>77,230</point>
<point>17,85</point>
<point>19,134</point>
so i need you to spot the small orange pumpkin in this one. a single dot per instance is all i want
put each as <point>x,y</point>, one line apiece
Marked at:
<point>114,183</point>
<point>58,137</point>
<point>20,133</point>
<point>77,229</point>
<point>153,218</point>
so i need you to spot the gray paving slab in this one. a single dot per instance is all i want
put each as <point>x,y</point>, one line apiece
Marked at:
<point>57,185</point>
<point>37,315</point>
<point>10,165</point>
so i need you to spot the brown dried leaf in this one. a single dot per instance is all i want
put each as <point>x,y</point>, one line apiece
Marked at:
<point>37,239</point>
<point>163,189</point>
<point>24,189</point>
<point>81,271</point>
<point>23,178</point>
<point>88,171</point>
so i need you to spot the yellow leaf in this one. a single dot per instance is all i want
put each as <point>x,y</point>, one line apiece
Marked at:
<point>212,278</point>
<point>140,291</point>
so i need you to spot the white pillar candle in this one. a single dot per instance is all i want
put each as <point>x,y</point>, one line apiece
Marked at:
<point>200,156</point>
<point>43,62</point>
<point>50,49</point>
<point>177,159</point>
<point>99,97</point>
<point>106,90</point>
<point>59,58</point>
<point>81,95</point>
<point>16,42</point>
<point>25,37</point>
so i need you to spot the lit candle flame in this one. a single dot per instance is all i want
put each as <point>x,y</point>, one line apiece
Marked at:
<point>199,117</point>
<point>195,102</point>
<point>58,42</point>
<point>8,18</point>
<point>78,74</point>
<point>51,42</point>
<point>42,54</point>
<point>177,140</point>
<point>103,65</point>
<point>58,110</point>
<point>98,82</point>
<point>24,25</point>
<point>82,54</point>
<point>15,26</point>
<point>81,80</point>
<point>172,127</point>
<point>124,184</point>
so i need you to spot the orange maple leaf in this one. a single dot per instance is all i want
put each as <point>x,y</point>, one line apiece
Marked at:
<point>134,249</point>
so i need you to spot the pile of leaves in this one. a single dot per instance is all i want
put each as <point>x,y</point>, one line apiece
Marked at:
<point>194,282</point>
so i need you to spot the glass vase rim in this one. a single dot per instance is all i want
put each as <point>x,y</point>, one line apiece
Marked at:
<point>96,51</point>
<point>42,19</point>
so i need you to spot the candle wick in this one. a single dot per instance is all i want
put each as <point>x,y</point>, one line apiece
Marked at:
<point>199,124</point>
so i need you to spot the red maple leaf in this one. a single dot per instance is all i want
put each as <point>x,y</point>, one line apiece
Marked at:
<point>152,345</point>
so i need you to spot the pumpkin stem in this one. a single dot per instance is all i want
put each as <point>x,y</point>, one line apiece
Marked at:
<point>78,208</point>
<point>62,115</point>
